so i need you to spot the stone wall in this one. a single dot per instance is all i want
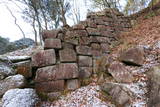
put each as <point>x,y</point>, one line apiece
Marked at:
<point>69,53</point>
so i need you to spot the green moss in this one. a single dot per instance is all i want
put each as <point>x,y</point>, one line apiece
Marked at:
<point>149,15</point>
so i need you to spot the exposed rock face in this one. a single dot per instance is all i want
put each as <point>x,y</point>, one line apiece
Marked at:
<point>154,86</point>
<point>44,58</point>
<point>20,98</point>
<point>5,71</point>
<point>117,93</point>
<point>120,73</point>
<point>11,82</point>
<point>133,56</point>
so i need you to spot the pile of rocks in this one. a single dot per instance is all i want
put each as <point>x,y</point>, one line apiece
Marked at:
<point>69,54</point>
<point>14,72</point>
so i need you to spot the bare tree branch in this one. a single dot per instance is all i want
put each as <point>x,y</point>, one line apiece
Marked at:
<point>15,21</point>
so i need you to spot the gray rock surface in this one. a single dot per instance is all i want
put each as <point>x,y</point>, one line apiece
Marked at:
<point>20,98</point>
<point>5,71</point>
<point>11,82</point>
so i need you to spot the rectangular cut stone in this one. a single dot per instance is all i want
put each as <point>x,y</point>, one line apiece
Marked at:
<point>83,50</point>
<point>50,34</point>
<point>49,73</point>
<point>67,55</point>
<point>79,27</point>
<point>44,58</point>
<point>66,45</point>
<point>96,39</point>
<point>84,40</point>
<point>52,44</point>
<point>69,70</point>
<point>85,61</point>
<point>73,84</point>
<point>85,72</point>
<point>107,33</point>
<point>57,72</point>
<point>50,86</point>
<point>79,33</point>
<point>93,32</point>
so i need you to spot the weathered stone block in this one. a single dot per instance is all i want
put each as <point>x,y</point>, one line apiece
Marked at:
<point>57,72</point>
<point>85,61</point>
<point>79,33</point>
<point>50,86</point>
<point>67,55</point>
<point>52,44</point>
<point>93,32</point>
<point>84,40</point>
<point>120,73</point>
<point>66,45</point>
<point>85,72</point>
<point>83,50</point>
<point>133,56</point>
<point>50,34</point>
<point>69,70</point>
<point>79,27</point>
<point>73,84</point>
<point>24,68</point>
<point>97,39</point>
<point>49,73</point>
<point>44,58</point>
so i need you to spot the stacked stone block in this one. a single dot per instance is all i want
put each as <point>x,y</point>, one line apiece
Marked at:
<point>69,53</point>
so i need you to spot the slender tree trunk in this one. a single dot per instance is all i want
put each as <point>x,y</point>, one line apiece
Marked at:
<point>15,21</point>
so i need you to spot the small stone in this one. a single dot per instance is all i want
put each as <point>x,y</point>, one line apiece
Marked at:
<point>83,50</point>
<point>84,40</point>
<point>95,46</point>
<point>73,84</point>
<point>97,39</point>
<point>44,58</point>
<point>93,32</point>
<point>85,61</point>
<point>66,45</point>
<point>105,48</point>
<point>50,86</point>
<point>79,27</point>
<point>80,33</point>
<point>67,55</point>
<point>52,44</point>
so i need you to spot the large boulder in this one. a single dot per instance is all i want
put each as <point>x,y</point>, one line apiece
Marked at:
<point>120,73</point>
<point>154,86</point>
<point>133,56</point>
<point>5,70</point>
<point>20,98</point>
<point>11,82</point>
<point>117,93</point>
